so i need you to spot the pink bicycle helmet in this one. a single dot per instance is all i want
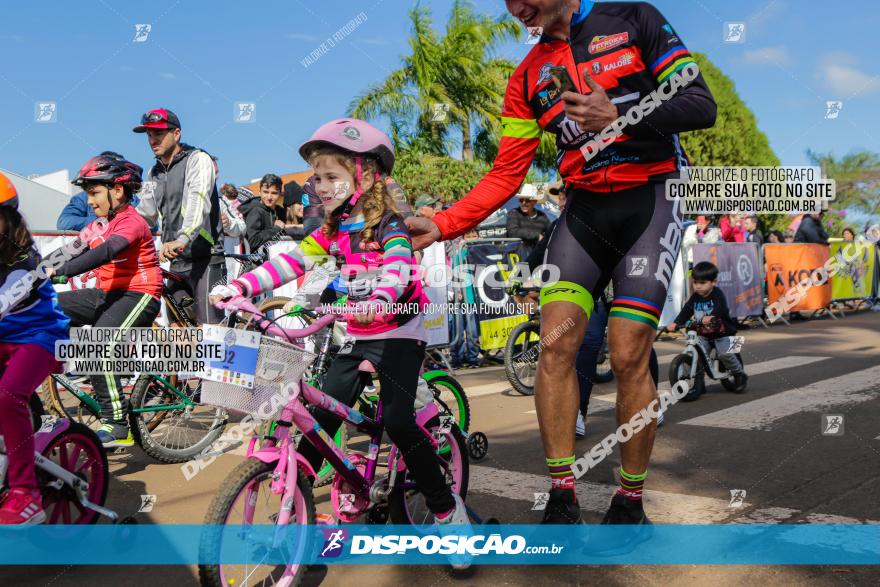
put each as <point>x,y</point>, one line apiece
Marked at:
<point>355,136</point>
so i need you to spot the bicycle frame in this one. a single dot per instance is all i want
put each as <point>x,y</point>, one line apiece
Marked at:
<point>93,407</point>
<point>699,355</point>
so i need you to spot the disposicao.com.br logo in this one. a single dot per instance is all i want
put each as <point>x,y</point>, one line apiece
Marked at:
<point>448,545</point>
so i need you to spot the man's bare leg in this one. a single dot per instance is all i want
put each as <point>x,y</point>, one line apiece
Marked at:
<point>557,400</point>
<point>630,344</point>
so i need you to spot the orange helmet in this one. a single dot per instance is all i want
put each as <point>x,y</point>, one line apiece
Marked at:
<point>8,194</point>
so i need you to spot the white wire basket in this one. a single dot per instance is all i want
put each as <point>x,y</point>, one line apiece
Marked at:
<point>279,363</point>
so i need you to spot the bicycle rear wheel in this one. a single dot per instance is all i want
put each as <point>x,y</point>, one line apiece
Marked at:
<point>64,404</point>
<point>451,399</point>
<point>79,451</point>
<point>173,435</point>
<point>406,504</point>
<point>521,356</point>
<point>245,499</point>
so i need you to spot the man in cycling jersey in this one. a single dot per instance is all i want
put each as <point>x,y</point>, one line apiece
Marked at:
<point>129,277</point>
<point>180,188</point>
<point>618,225</point>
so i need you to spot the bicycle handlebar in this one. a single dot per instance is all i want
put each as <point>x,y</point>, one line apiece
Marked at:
<point>244,304</point>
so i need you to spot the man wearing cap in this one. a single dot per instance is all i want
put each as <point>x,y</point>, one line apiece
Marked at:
<point>525,222</point>
<point>180,189</point>
<point>427,205</point>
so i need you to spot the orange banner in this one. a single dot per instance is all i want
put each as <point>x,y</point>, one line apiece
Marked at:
<point>791,264</point>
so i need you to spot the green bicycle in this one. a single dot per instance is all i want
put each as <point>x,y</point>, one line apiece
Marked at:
<point>166,418</point>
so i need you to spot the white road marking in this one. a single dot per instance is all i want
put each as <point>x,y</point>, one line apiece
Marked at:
<point>848,389</point>
<point>662,506</point>
<point>770,366</point>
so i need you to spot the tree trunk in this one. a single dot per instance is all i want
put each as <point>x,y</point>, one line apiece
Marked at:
<point>467,149</point>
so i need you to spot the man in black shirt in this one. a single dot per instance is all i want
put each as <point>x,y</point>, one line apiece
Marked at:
<point>810,230</point>
<point>709,306</point>
<point>526,222</point>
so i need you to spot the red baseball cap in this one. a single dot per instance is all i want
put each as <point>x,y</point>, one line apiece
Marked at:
<point>160,118</point>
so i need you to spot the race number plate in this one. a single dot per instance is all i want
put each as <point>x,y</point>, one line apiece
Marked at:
<point>239,363</point>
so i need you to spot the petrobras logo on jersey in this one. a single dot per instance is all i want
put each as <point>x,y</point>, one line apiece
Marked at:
<point>442,545</point>
<point>603,43</point>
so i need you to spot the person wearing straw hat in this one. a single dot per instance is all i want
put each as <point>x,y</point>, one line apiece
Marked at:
<point>526,222</point>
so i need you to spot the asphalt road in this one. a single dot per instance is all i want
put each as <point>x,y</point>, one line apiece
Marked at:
<point>768,442</point>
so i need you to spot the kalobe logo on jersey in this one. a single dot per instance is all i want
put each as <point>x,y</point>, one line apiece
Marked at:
<point>603,43</point>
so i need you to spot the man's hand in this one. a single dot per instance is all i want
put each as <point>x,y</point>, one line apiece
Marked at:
<point>592,112</point>
<point>423,232</point>
<point>171,250</point>
<point>707,319</point>
<point>279,223</point>
<point>672,327</point>
<point>225,220</point>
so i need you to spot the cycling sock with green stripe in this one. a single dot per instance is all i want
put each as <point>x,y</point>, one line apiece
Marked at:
<point>561,475</point>
<point>631,485</point>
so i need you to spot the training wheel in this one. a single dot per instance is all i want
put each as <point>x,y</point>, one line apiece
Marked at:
<point>478,445</point>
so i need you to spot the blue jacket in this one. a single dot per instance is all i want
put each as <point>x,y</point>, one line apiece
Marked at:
<point>76,214</point>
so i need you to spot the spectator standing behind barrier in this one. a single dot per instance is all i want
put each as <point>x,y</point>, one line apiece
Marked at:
<point>753,235</point>
<point>231,219</point>
<point>525,222</point>
<point>810,230</point>
<point>701,231</point>
<point>180,189</point>
<point>788,236</point>
<point>427,205</point>
<point>732,230</point>
<point>261,215</point>
<point>464,330</point>
<point>774,237</point>
<point>849,235</point>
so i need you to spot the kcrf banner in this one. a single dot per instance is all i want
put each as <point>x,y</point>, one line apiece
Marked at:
<point>855,279</point>
<point>790,264</point>
<point>739,275</point>
<point>491,265</point>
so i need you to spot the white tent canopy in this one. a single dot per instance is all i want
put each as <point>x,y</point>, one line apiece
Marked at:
<point>41,205</point>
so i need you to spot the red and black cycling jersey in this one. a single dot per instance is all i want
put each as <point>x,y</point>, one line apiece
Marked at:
<point>629,49</point>
<point>124,254</point>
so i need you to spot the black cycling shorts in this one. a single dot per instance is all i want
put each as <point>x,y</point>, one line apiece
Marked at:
<point>630,238</point>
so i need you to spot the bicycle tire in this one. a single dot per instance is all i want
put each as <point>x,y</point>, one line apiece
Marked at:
<point>78,413</point>
<point>219,511</point>
<point>398,510</point>
<point>512,352</point>
<point>143,432</point>
<point>674,369</point>
<point>52,496</point>
<point>464,407</point>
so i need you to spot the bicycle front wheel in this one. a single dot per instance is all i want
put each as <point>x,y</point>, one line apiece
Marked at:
<point>244,500</point>
<point>166,427</point>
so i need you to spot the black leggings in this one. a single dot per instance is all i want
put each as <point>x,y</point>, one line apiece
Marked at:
<point>120,309</point>
<point>398,362</point>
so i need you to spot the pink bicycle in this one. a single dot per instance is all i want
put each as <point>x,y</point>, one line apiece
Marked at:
<point>272,486</point>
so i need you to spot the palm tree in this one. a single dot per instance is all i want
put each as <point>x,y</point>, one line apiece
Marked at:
<point>857,179</point>
<point>447,84</point>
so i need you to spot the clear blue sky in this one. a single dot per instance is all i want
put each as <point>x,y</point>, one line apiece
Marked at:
<point>202,56</point>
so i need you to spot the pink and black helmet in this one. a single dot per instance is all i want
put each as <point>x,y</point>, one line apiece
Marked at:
<point>109,168</point>
<point>355,136</point>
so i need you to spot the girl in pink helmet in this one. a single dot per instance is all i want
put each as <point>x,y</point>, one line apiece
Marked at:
<point>364,234</point>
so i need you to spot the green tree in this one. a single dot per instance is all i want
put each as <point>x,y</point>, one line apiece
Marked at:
<point>447,84</point>
<point>735,139</point>
<point>445,177</point>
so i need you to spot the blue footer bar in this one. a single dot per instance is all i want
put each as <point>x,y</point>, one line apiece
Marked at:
<point>730,544</point>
